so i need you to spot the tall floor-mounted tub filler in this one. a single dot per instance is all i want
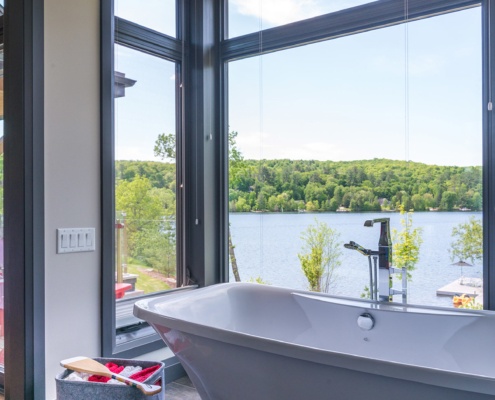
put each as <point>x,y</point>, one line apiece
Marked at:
<point>247,341</point>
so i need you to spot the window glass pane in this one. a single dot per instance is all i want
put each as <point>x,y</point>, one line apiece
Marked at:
<point>248,16</point>
<point>340,132</point>
<point>145,179</point>
<point>159,15</point>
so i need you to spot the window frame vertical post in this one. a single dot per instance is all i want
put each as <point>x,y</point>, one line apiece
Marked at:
<point>24,294</point>
<point>488,28</point>
<point>205,149</point>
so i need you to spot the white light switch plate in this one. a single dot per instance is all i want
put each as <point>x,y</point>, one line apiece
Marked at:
<point>73,240</point>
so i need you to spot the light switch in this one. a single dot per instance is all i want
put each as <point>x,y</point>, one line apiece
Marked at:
<point>73,240</point>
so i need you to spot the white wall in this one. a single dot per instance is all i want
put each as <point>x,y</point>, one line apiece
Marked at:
<point>72,179</point>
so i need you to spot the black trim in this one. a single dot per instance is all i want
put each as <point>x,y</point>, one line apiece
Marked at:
<point>488,13</point>
<point>202,149</point>
<point>223,116</point>
<point>337,24</point>
<point>24,201</point>
<point>141,38</point>
<point>107,178</point>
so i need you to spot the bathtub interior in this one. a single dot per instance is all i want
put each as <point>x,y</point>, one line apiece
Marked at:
<point>426,337</point>
<point>445,340</point>
<point>244,308</point>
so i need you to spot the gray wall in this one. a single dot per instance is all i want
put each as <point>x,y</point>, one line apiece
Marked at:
<point>72,179</point>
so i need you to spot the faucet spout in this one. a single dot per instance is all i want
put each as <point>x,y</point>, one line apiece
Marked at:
<point>384,243</point>
<point>354,246</point>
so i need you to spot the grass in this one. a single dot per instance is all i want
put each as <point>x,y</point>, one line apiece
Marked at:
<point>144,281</point>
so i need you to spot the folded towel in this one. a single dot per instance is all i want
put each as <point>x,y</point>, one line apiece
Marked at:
<point>116,369</point>
<point>133,372</point>
<point>77,376</point>
<point>130,370</point>
<point>144,374</point>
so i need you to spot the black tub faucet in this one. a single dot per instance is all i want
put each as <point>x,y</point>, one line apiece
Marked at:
<point>384,243</point>
<point>384,257</point>
<point>385,269</point>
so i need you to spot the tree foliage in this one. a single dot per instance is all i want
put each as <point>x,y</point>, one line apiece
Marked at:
<point>148,221</point>
<point>366,185</point>
<point>406,243</point>
<point>165,146</point>
<point>468,241</point>
<point>321,255</point>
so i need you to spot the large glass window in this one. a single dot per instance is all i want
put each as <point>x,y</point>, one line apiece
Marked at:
<point>145,174</point>
<point>382,124</point>
<point>140,128</point>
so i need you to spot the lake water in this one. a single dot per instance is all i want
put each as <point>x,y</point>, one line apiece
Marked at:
<point>267,244</point>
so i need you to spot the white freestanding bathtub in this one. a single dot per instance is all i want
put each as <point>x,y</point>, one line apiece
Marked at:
<point>241,341</point>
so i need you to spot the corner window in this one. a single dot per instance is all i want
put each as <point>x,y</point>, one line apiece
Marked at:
<point>384,124</point>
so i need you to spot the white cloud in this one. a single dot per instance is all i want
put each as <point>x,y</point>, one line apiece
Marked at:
<point>134,153</point>
<point>255,146</point>
<point>280,12</point>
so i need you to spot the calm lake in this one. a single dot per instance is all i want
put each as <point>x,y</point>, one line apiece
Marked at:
<point>267,244</point>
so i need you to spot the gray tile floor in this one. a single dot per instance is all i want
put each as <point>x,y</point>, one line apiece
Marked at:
<point>181,389</point>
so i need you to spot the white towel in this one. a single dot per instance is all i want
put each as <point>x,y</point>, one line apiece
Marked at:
<point>77,376</point>
<point>130,370</point>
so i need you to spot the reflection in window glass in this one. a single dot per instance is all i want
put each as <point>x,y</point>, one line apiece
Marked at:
<point>248,16</point>
<point>158,15</point>
<point>144,173</point>
<point>351,130</point>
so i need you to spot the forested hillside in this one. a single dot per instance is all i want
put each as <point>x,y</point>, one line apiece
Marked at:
<point>369,185</point>
<point>292,185</point>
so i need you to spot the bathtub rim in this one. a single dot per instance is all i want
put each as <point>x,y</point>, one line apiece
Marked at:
<point>483,384</point>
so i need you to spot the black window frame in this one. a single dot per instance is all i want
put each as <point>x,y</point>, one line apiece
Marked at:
<point>24,243</point>
<point>204,55</point>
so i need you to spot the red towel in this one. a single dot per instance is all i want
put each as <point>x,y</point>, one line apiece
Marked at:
<point>144,374</point>
<point>117,369</point>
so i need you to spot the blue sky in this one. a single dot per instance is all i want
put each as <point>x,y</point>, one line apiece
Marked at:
<point>344,99</point>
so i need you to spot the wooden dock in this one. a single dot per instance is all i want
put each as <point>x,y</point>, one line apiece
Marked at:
<point>472,287</point>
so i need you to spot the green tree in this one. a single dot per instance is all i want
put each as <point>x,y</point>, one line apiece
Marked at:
<point>235,163</point>
<point>448,200</point>
<point>157,247</point>
<point>143,209</point>
<point>406,243</point>
<point>165,146</point>
<point>468,241</point>
<point>321,255</point>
